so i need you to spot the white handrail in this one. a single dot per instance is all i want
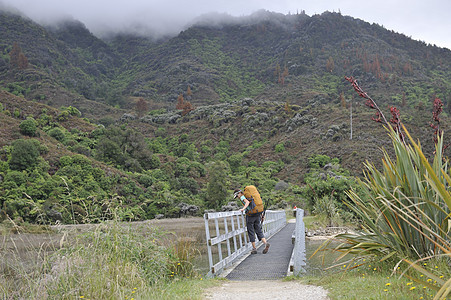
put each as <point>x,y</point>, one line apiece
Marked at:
<point>233,233</point>
<point>299,257</point>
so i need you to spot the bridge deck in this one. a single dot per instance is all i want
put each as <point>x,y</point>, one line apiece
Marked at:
<point>271,265</point>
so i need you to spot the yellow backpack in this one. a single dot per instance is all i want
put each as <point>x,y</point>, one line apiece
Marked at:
<point>251,193</point>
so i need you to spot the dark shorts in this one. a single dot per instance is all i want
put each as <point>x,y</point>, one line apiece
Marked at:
<point>254,226</point>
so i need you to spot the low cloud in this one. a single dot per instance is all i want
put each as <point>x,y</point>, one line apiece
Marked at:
<point>427,21</point>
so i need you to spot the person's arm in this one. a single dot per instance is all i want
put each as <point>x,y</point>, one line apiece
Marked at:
<point>246,204</point>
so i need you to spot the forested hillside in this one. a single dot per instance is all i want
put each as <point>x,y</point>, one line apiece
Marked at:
<point>137,127</point>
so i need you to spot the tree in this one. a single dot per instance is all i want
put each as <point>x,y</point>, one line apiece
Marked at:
<point>343,100</point>
<point>407,69</point>
<point>24,154</point>
<point>330,65</point>
<point>288,109</point>
<point>17,60</point>
<point>403,100</point>
<point>28,127</point>
<point>23,61</point>
<point>281,76</point>
<point>183,105</point>
<point>277,72</point>
<point>57,134</point>
<point>141,107</point>
<point>14,56</point>
<point>217,184</point>
<point>109,152</point>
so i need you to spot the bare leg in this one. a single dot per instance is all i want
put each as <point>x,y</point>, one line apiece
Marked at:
<point>263,240</point>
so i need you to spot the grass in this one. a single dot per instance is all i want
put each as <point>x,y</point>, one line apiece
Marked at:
<point>110,260</point>
<point>179,289</point>
<point>376,280</point>
<point>314,222</point>
<point>124,262</point>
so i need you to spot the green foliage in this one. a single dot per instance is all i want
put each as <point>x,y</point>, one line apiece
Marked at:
<point>16,89</point>
<point>24,154</point>
<point>125,148</point>
<point>319,161</point>
<point>63,116</point>
<point>44,120</point>
<point>4,166</point>
<point>279,148</point>
<point>235,161</point>
<point>401,197</point>
<point>217,187</point>
<point>252,163</point>
<point>17,177</point>
<point>326,190</point>
<point>405,210</point>
<point>57,134</point>
<point>28,127</point>
<point>73,111</point>
<point>328,208</point>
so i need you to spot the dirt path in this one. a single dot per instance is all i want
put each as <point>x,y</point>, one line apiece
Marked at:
<point>266,289</point>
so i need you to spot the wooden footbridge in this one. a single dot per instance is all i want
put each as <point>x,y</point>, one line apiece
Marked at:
<point>229,249</point>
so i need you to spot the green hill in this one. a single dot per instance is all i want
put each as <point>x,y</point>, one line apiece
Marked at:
<point>184,120</point>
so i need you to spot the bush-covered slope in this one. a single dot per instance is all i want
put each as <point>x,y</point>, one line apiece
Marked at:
<point>267,96</point>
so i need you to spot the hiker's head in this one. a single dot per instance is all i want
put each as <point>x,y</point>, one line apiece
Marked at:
<point>237,193</point>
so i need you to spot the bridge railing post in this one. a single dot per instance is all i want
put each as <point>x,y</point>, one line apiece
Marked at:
<point>299,259</point>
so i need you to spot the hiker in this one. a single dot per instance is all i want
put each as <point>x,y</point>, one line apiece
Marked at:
<point>252,221</point>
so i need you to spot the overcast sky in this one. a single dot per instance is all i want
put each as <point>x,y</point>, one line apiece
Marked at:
<point>425,20</point>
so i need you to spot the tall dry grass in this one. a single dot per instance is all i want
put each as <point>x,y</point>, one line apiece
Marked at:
<point>112,261</point>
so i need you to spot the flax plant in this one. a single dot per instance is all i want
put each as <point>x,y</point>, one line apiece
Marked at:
<point>405,211</point>
<point>405,207</point>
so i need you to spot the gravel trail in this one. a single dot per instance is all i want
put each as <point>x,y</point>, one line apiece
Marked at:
<point>266,289</point>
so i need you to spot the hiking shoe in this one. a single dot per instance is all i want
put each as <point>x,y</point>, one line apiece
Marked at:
<point>254,251</point>
<point>266,248</point>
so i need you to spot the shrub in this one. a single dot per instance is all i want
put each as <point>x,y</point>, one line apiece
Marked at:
<point>45,120</point>
<point>252,163</point>
<point>15,176</point>
<point>57,134</point>
<point>279,148</point>
<point>160,132</point>
<point>28,127</point>
<point>235,161</point>
<point>24,154</point>
<point>145,180</point>
<point>73,111</point>
<point>319,161</point>
<point>4,166</point>
<point>63,116</point>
